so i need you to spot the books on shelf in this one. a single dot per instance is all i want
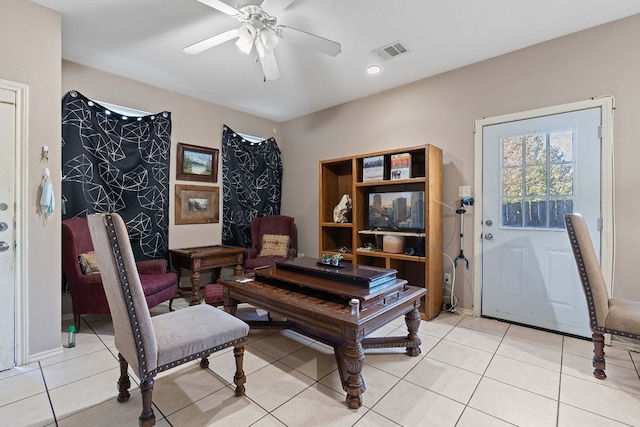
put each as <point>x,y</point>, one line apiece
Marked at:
<point>401,166</point>
<point>373,169</point>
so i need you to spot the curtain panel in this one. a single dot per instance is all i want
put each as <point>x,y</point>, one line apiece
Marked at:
<point>252,183</point>
<point>112,163</point>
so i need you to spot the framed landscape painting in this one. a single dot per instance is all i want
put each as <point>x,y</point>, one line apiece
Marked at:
<point>197,163</point>
<point>197,204</point>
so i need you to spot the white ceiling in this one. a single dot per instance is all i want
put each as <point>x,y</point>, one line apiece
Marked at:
<point>143,40</point>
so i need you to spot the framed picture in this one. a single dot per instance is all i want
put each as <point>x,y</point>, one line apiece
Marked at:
<point>197,163</point>
<point>197,204</point>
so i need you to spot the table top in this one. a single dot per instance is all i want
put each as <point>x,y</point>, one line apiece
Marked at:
<point>312,306</point>
<point>203,251</point>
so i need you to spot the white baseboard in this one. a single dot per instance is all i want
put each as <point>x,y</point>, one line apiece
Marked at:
<point>45,354</point>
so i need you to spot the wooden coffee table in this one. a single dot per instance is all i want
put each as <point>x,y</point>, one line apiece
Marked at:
<point>203,258</point>
<point>319,308</point>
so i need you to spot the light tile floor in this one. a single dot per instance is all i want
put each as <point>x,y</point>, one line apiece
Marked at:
<point>472,372</point>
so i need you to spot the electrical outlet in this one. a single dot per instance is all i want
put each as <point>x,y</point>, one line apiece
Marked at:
<point>447,278</point>
<point>300,254</point>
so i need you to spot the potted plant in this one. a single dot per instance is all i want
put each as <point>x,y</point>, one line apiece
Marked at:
<point>335,259</point>
<point>326,259</point>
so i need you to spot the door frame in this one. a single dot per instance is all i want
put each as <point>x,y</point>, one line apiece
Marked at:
<point>21,353</point>
<point>606,105</point>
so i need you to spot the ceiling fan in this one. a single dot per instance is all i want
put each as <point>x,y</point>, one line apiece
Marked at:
<point>258,29</point>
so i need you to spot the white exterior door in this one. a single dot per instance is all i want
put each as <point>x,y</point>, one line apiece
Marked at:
<point>7,229</point>
<point>534,171</point>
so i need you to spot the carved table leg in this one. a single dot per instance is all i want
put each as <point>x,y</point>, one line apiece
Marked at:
<point>195,285</point>
<point>237,271</point>
<point>412,320</point>
<point>354,384</point>
<point>230,305</point>
<point>598,356</point>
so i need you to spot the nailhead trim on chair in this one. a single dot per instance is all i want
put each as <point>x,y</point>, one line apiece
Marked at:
<point>126,288</point>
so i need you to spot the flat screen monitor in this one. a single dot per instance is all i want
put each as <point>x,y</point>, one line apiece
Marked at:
<point>396,210</point>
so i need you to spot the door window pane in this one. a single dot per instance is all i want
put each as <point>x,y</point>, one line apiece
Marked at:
<point>537,179</point>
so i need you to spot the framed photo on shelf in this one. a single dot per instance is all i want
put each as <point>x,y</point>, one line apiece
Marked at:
<point>373,169</point>
<point>197,204</point>
<point>197,163</point>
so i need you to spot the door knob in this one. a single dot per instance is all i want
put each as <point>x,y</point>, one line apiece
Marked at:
<point>3,226</point>
<point>4,246</point>
<point>488,236</point>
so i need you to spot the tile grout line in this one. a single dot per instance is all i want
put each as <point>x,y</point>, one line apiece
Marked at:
<point>46,388</point>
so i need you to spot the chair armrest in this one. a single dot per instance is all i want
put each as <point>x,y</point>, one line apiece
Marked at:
<point>252,253</point>
<point>152,266</point>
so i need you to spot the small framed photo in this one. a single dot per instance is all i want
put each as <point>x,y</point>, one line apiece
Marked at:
<point>197,163</point>
<point>197,204</point>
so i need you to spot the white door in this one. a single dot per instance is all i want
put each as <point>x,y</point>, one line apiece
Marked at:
<point>534,171</point>
<point>7,229</point>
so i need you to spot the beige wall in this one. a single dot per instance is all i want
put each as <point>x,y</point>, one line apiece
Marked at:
<point>441,111</point>
<point>30,54</point>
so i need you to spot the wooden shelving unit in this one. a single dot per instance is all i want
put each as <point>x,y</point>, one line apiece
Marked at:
<point>345,176</point>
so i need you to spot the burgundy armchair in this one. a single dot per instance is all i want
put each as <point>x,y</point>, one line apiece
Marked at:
<point>278,225</point>
<point>87,292</point>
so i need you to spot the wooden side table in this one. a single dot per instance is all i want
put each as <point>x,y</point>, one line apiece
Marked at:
<point>201,258</point>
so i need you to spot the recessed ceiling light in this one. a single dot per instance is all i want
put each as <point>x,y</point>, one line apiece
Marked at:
<point>374,69</point>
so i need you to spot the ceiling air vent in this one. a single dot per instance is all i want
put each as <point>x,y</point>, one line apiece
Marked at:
<point>390,51</point>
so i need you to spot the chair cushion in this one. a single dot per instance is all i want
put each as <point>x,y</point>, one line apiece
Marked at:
<point>191,330</point>
<point>624,316</point>
<point>88,263</point>
<point>274,245</point>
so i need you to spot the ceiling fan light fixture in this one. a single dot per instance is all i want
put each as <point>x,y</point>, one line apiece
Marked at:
<point>269,38</point>
<point>246,33</point>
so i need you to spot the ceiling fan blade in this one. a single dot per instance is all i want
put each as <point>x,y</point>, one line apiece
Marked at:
<point>302,38</point>
<point>210,42</point>
<point>274,7</point>
<point>268,62</point>
<point>221,6</point>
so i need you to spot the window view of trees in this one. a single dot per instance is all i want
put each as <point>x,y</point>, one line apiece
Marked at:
<point>537,179</point>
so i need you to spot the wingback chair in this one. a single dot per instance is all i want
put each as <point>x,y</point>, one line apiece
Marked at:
<point>606,315</point>
<point>155,344</point>
<point>87,293</point>
<point>272,239</point>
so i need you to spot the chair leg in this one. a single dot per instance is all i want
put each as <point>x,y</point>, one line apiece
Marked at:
<point>76,321</point>
<point>171,304</point>
<point>147,417</point>
<point>123,382</point>
<point>204,362</point>
<point>239,378</point>
<point>598,356</point>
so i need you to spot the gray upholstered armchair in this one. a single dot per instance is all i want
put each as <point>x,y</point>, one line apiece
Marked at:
<point>606,315</point>
<point>155,344</point>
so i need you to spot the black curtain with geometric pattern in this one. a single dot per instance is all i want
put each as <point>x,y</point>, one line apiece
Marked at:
<point>113,163</point>
<point>252,183</point>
